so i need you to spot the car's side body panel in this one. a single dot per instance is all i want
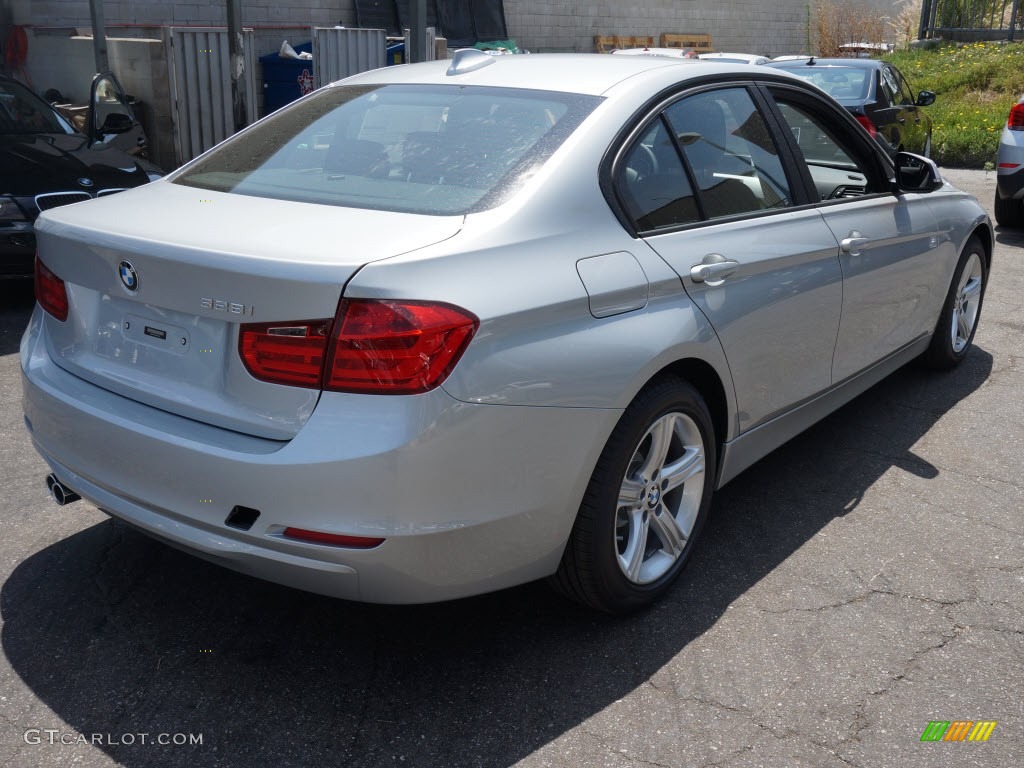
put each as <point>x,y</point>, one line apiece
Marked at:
<point>891,282</point>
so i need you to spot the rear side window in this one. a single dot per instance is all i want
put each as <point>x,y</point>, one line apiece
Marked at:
<point>440,149</point>
<point>730,151</point>
<point>732,165</point>
<point>653,184</point>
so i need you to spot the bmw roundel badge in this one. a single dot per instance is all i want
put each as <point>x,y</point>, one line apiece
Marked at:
<point>85,181</point>
<point>129,277</point>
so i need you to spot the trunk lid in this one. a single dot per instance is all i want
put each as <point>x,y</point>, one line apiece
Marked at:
<point>206,262</point>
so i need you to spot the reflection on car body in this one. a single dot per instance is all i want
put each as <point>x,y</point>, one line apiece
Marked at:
<point>45,162</point>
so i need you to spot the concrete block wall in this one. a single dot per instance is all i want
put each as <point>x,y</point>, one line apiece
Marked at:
<point>537,25</point>
<point>75,13</point>
<point>749,26</point>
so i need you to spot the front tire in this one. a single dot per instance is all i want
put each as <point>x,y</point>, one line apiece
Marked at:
<point>959,319</point>
<point>645,504</point>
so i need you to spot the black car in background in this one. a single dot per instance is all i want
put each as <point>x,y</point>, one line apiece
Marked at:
<point>877,94</point>
<point>45,162</point>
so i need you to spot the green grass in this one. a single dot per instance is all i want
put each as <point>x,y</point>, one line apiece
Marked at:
<point>975,86</point>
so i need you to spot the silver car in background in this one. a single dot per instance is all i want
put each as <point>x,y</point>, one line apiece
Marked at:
<point>446,328</point>
<point>1009,205</point>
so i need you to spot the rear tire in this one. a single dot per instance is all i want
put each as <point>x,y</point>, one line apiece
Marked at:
<point>646,502</point>
<point>1009,212</point>
<point>961,311</point>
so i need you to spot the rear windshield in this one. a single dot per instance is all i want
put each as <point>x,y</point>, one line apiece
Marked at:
<point>432,149</point>
<point>844,84</point>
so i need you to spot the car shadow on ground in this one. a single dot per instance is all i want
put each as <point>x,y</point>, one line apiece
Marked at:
<point>118,634</point>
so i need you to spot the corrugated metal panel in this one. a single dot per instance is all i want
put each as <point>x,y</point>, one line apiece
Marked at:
<point>200,78</point>
<point>340,53</point>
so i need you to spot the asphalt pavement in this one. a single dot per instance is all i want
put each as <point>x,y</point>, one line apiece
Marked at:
<point>859,583</point>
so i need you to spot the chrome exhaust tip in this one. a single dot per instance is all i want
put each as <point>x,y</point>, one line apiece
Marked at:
<point>60,492</point>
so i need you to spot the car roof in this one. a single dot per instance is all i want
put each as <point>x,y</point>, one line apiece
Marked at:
<point>720,54</point>
<point>852,63</point>
<point>584,73</point>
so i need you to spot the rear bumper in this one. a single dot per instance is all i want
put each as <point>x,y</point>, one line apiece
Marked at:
<point>470,498</point>
<point>1010,186</point>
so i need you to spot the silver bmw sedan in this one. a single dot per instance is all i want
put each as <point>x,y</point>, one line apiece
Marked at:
<point>445,328</point>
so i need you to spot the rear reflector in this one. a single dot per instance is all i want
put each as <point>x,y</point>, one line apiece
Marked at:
<point>285,353</point>
<point>868,125</point>
<point>395,347</point>
<point>1015,122</point>
<point>334,539</point>
<point>1008,165</point>
<point>50,292</point>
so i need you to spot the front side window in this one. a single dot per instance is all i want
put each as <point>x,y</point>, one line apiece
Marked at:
<point>432,149</point>
<point>906,94</point>
<point>22,112</point>
<point>890,85</point>
<point>837,167</point>
<point>731,153</point>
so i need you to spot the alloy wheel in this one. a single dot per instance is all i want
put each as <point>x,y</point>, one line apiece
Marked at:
<point>966,303</point>
<point>660,498</point>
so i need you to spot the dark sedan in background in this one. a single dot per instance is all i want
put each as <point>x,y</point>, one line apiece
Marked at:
<point>877,94</point>
<point>45,162</point>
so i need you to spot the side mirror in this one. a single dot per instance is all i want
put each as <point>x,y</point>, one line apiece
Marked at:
<point>916,174</point>
<point>116,122</point>
<point>109,112</point>
<point>925,99</point>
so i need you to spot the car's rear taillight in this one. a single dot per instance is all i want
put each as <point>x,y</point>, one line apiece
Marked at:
<point>377,347</point>
<point>285,353</point>
<point>1015,122</point>
<point>395,347</point>
<point>868,125</point>
<point>50,292</point>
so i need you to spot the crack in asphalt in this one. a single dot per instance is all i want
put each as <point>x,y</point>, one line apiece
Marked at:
<point>970,518</point>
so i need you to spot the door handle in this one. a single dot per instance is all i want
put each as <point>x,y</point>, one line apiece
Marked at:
<point>854,243</point>
<point>713,269</point>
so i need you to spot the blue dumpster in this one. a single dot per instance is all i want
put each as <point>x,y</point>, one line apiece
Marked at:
<point>396,54</point>
<point>285,80</point>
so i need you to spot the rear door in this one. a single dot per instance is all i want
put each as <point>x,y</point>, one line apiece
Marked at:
<point>706,186</point>
<point>892,273</point>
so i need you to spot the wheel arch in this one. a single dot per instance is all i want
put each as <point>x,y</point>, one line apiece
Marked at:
<point>984,233</point>
<point>709,384</point>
